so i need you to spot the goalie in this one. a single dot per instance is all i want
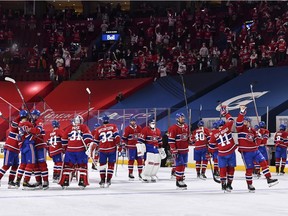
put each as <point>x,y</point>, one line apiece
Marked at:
<point>149,141</point>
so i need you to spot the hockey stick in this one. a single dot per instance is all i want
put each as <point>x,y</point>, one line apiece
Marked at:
<point>9,104</point>
<point>200,112</point>
<point>117,155</point>
<point>254,101</point>
<point>89,99</point>
<point>220,106</point>
<point>4,118</point>
<point>212,170</point>
<point>186,103</point>
<point>8,79</point>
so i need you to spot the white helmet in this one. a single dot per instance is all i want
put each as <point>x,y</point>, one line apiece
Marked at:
<point>78,120</point>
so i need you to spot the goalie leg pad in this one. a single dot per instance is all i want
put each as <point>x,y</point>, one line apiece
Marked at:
<point>83,176</point>
<point>149,164</point>
<point>157,163</point>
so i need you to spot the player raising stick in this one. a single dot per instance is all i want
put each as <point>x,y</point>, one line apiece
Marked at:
<point>223,140</point>
<point>249,149</point>
<point>178,139</point>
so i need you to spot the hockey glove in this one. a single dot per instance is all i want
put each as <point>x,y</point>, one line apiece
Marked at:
<point>243,109</point>
<point>223,110</point>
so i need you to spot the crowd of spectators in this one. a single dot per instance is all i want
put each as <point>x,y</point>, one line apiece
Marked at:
<point>231,36</point>
<point>235,36</point>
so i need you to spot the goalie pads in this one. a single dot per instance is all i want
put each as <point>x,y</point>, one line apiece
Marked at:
<point>141,149</point>
<point>149,164</point>
<point>156,166</point>
<point>162,153</point>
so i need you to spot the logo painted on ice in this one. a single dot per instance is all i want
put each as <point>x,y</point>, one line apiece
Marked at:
<point>244,99</point>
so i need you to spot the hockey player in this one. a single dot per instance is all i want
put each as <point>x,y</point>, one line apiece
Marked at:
<point>95,154</point>
<point>249,149</point>
<point>130,138</point>
<point>199,140</point>
<point>150,136</point>
<point>41,169</point>
<point>178,139</point>
<point>224,142</point>
<point>107,139</point>
<point>280,141</point>
<point>213,150</point>
<point>27,132</point>
<point>263,136</point>
<point>79,138</point>
<point>11,150</point>
<point>56,148</point>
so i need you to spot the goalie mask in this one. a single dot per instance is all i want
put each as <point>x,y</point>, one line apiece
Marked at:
<point>78,120</point>
<point>152,123</point>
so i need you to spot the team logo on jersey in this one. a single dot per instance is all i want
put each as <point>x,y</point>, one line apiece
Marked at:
<point>244,99</point>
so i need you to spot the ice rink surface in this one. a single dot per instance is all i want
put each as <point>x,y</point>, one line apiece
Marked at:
<point>126,197</point>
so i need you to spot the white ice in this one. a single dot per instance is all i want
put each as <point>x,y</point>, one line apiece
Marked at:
<point>125,197</point>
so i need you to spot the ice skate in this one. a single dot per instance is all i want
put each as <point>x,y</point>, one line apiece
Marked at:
<point>81,184</point>
<point>229,187</point>
<point>272,182</point>
<point>282,171</point>
<point>65,184</point>
<point>56,178</point>
<point>131,177</point>
<point>12,185</point>
<point>45,185</point>
<point>102,183</point>
<point>108,183</point>
<point>181,185</point>
<point>251,188</point>
<point>143,178</point>
<point>203,176</point>
<point>28,186</point>
<point>38,185</point>
<point>153,179</point>
<point>224,187</point>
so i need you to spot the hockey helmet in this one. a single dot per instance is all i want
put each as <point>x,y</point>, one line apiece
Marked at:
<point>282,127</point>
<point>214,125</point>
<point>256,127</point>
<point>23,113</point>
<point>200,123</point>
<point>105,119</point>
<point>36,112</point>
<point>96,125</point>
<point>132,119</point>
<point>262,124</point>
<point>247,119</point>
<point>220,122</point>
<point>178,115</point>
<point>55,124</point>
